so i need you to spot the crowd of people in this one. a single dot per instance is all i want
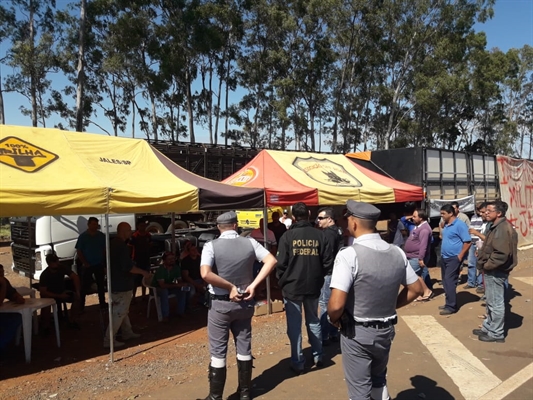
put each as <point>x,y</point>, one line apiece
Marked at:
<point>328,269</point>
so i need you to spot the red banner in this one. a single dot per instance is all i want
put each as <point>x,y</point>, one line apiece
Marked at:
<point>516,186</point>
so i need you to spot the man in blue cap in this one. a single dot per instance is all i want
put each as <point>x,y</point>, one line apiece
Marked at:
<point>364,297</point>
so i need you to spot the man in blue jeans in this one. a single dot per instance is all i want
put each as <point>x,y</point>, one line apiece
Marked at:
<point>496,259</point>
<point>304,258</point>
<point>168,280</point>
<point>456,242</point>
<point>333,234</point>
<point>477,225</point>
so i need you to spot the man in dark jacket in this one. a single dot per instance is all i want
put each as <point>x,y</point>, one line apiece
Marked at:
<point>496,259</point>
<point>335,240</point>
<point>304,258</point>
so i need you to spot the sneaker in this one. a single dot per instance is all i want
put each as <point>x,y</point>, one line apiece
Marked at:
<point>115,344</point>
<point>446,311</point>
<point>442,307</point>
<point>479,332</point>
<point>480,290</point>
<point>487,338</point>
<point>467,286</point>
<point>132,335</point>
<point>319,363</point>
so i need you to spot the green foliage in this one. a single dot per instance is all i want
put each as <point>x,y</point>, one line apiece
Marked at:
<point>350,74</point>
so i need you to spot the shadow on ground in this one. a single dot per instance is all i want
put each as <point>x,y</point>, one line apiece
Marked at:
<point>424,387</point>
<point>275,375</point>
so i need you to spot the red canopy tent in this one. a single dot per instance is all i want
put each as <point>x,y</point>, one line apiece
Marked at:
<point>319,179</point>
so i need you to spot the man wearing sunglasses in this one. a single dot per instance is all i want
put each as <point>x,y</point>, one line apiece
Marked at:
<point>333,235</point>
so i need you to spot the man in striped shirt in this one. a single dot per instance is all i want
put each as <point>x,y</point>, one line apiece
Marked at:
<point>477,223</point>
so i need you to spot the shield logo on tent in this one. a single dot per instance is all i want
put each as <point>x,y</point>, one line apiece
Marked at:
<point>326,172</point>
<point>24,156</point>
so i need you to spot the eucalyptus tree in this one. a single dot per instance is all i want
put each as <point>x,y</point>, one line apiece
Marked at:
<point>7,25</point>
<point>32,55</point>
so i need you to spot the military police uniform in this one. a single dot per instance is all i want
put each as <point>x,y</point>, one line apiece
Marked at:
<point>371,272</point>
<point>232,258</point>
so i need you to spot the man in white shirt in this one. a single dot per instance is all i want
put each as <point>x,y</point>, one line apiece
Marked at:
<point>477,225</point>
<point>285,219</point>
<point>365,293</point>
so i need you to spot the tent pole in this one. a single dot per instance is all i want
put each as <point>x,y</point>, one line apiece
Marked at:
<point>173,232</point>
<point>269,247</point>
<point>31,252</point>
<point>109,301</point>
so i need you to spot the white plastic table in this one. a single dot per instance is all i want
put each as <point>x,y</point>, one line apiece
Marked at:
<point>25,291</point>
<point>26,310</point>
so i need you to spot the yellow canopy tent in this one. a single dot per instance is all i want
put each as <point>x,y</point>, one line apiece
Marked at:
<point>54,172</point>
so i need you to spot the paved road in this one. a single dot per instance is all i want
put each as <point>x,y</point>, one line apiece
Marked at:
<point>433,357</point>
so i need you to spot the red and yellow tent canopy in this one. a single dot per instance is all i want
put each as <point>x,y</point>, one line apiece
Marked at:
<point>319,179</point>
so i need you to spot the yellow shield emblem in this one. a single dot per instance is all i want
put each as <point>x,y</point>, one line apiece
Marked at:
<point>326,172</point>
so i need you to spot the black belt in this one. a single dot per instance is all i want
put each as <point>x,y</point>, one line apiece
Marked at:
<point>221,297</point>
<point>377,324</point>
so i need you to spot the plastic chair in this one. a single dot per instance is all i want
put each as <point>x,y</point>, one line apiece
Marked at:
<point>154,297</point>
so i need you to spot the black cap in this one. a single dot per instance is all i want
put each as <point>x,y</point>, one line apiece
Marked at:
<point>227,218</point>
<point>285,212</point>
<point>362,210</point>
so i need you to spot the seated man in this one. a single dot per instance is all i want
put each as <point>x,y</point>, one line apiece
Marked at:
<point>9,322</point>
<point>190,270</point>
<point>52,285</point>
<point>167,280</point>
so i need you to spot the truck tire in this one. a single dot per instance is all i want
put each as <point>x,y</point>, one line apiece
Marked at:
<point>178,224</point>
<point>155,227</point>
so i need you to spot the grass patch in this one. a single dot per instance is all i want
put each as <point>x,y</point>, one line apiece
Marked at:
<point>5,231</point>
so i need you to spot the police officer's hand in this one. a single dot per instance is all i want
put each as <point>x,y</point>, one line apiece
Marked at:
<point>249,293</point>
<point>234,295</point>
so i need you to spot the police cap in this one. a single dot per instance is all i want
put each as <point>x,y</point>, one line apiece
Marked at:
<point>227,218</point>
<point>362,210</point>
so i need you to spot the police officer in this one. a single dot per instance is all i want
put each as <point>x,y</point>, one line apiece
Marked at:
<point>364,297</point>
<point>227,266</point>
<point>304,258</point>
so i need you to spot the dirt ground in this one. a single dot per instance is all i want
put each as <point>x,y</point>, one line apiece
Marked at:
<point>166,356</point>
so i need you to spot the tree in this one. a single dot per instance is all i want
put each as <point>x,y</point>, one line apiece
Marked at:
<point>32,55</point>
<point>7,25</point>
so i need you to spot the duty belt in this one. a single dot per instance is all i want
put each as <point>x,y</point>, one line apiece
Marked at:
<point>221,297</point>
<point>378,324</point>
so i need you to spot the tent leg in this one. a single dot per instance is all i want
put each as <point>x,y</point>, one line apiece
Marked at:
<point>109,302</point>
<point>173,232</point>
<point>31,257</point>
<point>265,236</point>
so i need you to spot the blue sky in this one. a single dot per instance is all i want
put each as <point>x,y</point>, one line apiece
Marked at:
<point>511,27</point>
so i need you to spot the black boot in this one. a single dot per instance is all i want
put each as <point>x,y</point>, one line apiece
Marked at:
<point>245,379</point>
<point>217,380</point>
